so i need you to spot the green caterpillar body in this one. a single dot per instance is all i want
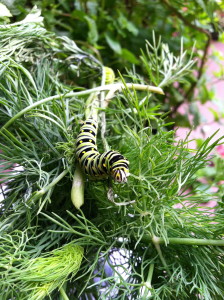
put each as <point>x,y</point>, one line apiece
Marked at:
<point>101,165</point>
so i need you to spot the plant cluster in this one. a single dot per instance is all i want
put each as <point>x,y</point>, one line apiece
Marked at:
<point>136,243</point>
<point>115,31</point>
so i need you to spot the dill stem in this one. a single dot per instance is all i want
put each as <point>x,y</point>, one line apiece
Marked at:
<point>147,283</point>
<point>53,183</point>
<point>116,87</point>
<point>77,192</point>
<point>78,183</point>
<point>43,191</point>
<point>103,115</point>
<point>149,278</point>
<point>158,249</point>
<point>63,294</point>
<point>188,241</point>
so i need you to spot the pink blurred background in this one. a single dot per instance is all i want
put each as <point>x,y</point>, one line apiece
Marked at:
<point>208,122</point>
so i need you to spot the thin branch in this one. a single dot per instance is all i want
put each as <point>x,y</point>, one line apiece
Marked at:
<point>156,243</point>
<point>200,70</point>
<point>63,294</point>
<point>54,182</point>
<point>44,190</point>
<point>103,115</point>
<point>148,283</point>
<point>115,87</point>
<point>150,274</point>
<point>187,241</point>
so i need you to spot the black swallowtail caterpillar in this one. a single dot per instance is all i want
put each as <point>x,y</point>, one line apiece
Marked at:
<point>110,163</point>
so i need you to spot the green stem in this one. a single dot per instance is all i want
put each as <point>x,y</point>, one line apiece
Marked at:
<point>158,249</point>
<point>91,111</point>
<point>188,241</point>
<point>77,192</point>
<point>149,278</point>
<point>43,191</point>
<point>147,283</point>
<point>78,184</point>
<point>183,241</point>
<point>103,115</point>
<point>35,104</point>
<point>63,294</point>
<point>117,87</point>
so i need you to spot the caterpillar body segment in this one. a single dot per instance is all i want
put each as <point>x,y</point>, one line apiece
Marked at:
<point>95,164</point>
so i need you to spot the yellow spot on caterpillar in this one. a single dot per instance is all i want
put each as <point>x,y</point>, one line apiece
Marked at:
<point>92,149</point>
<point>82,130</point>
<point>91,131</point>
<point>80,142</point>
<point>83,151</point>
<point>92,124</point>
<point>90,141</point>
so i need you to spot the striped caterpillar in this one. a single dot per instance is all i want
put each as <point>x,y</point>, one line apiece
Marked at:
<point>110,163</point>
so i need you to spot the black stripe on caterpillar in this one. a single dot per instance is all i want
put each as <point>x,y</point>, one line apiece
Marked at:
<point>101,165</point>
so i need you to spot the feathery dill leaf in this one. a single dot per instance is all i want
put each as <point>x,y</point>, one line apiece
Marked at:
<point>146,249</point>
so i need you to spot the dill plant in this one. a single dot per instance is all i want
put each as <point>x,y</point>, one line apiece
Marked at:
<point>137,246</point>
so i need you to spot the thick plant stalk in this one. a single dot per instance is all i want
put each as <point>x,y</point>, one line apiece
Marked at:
<point>188,241</point>
<point>109,87</point>
<point>93,103</point>
<point>109,77</point>
<point>78,184</point>
<point>63,294</point>
<point>91,111</point>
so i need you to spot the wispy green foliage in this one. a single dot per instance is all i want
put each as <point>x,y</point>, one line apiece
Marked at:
<point>115,31</point>
<point>162,66</point>
<point>137,243</point>
<point>37,277</point>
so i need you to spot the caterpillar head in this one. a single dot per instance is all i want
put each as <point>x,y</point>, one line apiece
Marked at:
<point>118,166</point>
<point>120,175</point>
